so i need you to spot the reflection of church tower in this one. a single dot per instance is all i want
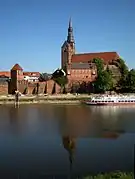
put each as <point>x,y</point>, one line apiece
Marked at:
<point>68,48</point>
<point>70,145</point>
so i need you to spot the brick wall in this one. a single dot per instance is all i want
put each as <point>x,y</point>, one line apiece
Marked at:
<point>52,87</point>
<point>3,88</point>
<point>25,87</point>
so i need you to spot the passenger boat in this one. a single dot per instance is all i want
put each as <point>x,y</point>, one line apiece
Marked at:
<point>111,100</point>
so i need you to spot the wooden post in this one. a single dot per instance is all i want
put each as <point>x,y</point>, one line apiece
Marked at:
<point>17,99</point>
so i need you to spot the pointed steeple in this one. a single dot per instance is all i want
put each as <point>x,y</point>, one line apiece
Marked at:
<point>70,37</point>
<point>70,23</point>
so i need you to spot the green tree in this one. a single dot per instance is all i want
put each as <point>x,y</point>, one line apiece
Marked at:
<point>104,81</point>
<point>62,81</point>
<point>130,81</point>
<point>122,67</point>
<point>99,64</point>
<point>44,77</point>
<point>120,63</point>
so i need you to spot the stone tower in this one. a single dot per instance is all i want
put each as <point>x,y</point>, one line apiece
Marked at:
<point>68,48</point>
<point>16,77</point>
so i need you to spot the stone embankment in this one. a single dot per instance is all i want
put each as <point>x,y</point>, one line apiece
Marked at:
<point>27,99</point>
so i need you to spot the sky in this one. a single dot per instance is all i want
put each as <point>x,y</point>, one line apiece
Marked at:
<point>33,31</point>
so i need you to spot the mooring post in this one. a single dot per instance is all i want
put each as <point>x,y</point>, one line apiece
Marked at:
<point>16,99</point>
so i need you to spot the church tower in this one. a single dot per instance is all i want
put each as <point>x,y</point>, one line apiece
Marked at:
<point>68,48</point>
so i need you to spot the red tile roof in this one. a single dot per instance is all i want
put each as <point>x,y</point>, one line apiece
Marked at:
<point>31,74</point>
<point>17,67</point>
<point>5,73</point>
<point>84,58</point>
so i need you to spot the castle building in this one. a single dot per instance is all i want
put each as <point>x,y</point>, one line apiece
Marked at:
<point>79,67</point>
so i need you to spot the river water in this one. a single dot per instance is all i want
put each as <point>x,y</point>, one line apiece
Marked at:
<point>62,140</point>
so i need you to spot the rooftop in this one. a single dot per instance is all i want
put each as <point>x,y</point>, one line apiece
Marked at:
<point>87,57</point>
<point>16,67</point>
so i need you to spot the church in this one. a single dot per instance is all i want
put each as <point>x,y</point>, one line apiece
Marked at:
<point>79,67</point>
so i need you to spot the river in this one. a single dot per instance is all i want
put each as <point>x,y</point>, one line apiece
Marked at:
<point>44,140</point>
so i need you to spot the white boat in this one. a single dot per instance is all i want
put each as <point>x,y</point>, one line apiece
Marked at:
<point>111,100</point>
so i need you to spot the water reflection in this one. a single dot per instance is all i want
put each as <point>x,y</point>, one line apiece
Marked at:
<point>14,115</point>
<point>69,144</point>
<point>30,138</point>
<point>83,122</point>
<point>74,121</point>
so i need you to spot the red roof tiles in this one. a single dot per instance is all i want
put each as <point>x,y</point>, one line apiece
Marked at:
<point>17,67</point>
<point>37,74</point>
<point>5,73</point>
<point>86,57</point>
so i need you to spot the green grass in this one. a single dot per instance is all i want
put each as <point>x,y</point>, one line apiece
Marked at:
<point>112,175</point>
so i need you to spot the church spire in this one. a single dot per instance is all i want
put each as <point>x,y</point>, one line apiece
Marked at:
<point>70,23</point>
<point>70,37</point>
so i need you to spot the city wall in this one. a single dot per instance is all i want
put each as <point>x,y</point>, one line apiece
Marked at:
<point>48,87</point>
<point>4,88</point>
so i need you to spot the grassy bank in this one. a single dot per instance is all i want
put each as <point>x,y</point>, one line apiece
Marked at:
<point>45,99</point>
<point>113,175</point>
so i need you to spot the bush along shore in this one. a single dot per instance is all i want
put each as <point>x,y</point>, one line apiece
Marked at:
<point>44,99</point>
<point>112,175</point>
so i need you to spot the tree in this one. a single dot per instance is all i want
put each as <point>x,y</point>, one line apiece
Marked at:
<point>104,81</point>
<point>75,88</point>
<point>59,73</point>
<point>99,65</point>
<point>120,63</point>
<point>62,81</point>
<point>130,81</point>
<point>44,77</point>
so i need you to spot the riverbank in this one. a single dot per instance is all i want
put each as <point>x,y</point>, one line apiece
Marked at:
<point>113,175</point>
<point>56,99</point>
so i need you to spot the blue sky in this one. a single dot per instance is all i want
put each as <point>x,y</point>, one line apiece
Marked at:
<point>32,31</point>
